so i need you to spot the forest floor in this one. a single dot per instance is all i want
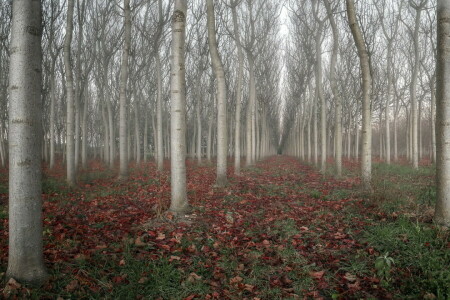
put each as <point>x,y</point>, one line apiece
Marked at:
<point>281,230</point>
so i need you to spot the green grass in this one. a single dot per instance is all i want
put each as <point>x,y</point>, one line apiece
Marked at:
<point>420,251</point>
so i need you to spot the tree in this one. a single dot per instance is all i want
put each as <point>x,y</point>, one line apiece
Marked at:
<point>240,76</point>
<point>366,159</point>
<point>70,93</point>
<point>25,261</point>
<point>222,145</point>
<point>179,203</point>
<point>442,213</point>
<point>123,142</point>
<point>334,88</point>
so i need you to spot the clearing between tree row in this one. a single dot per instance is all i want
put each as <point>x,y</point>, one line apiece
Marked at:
<point>281,230</point>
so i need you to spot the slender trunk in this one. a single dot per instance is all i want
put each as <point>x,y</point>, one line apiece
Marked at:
<point>25,258</point>
<point>199,121</point>
<point>105,135</point>
<point>335,91</point>
<point>442,211</point>
<point>250,111</point>
<point>112,138</point>
<point>413,92</point>
<point>137,134</point>
<point>52,115</point>
<point>433,120</point>
<point>159,126</point>
<point>366,160</point>
<point>70,97</point>
<point>123,171</point>
<point>145,135</point>
<point>179,202</point>
<point>240,76</point>
<point>84,135</point>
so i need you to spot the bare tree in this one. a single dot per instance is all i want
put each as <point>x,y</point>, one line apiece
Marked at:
<point>366,160</point>
<point>25,261</point>
<point>442,213</point>
<point>179,203</point>
<point>222,145</point>
<point>123,171</point>
<point>70,118</point>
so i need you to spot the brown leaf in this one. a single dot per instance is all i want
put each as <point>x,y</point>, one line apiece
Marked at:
<point>143,280</point>
<point>317,275</point>
<point>194,277</point>
<point>72,286</point>
<point>236,279</point>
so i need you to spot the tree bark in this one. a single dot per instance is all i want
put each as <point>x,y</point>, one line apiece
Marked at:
<point>442,212</point>
<point>123,142</point>
<point>335,91</point>
<point>179,202</point>
<point>366,159</point>
<point>222,143</point>
<point>240,76</point>
<point>25,258</point>
<point>70,152</point>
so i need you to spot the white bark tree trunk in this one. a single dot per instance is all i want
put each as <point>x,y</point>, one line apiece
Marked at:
<point>335,91</point>
<point>159,126</point>
<point>25,258</point>
<point>366,159</point>
<point>70,152</point>
<point>240,76</point>
<point>179,202</point>
<point>222,143</point>
<point>442,212</point>
<point>123,141</point>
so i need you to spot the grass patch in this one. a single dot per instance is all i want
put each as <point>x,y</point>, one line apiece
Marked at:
<point>420,254</point>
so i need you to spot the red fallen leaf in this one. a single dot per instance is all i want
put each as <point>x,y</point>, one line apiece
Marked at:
<point>71,286</point>
<point>118,279</point>
<point>165,247</point>
<point>174,257</point>
<point>194,277</point>
<point>249,287</point>
<point>160,236</point>
<point>190,297</point>
<point>304,228</point>
<point>138,242</point>
<point>350,277</point>
<point>122,262</point>
<point>266,243</point>
<point>235,280</point>
<point>286,280</point>
<point>317,275</point>
<point>143,280</point>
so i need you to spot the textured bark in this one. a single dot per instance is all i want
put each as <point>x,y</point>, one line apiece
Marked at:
<point>240,76</point>
<point>366,155</point>
<point>179,202</point>
<point>159,126</point>
<point>222,143</point>
<point>433,119</point>
<point>25,258</point>
<point>70,118</point>
<point>250,110</point>
<point>442,212</point>
<point>123,140</point>
<point>413,86</point>
<point>335,91</point>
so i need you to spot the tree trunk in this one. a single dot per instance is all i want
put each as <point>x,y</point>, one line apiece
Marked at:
<point>25,258</point>
<point>70,98</point>
<point>123,171</point>
<point>413,92</point>
<point>179,203</point>
<point>159,127</point>
<point>433,120</point>
<point>84,143</point>
<point>222,143</point>
<point>442,212</point>
<point>335,90</point>
<point>240,76</point>
<point>366,160</point>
